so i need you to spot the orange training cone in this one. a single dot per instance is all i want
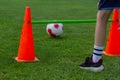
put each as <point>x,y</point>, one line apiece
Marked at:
<point>113,44</point>
<point>26,46</point>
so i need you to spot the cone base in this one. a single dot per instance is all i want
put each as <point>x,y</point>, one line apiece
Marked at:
<point>19,60</point>
<point>108,54</point>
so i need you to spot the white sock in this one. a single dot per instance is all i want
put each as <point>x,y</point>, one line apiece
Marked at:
<point>97,53</point>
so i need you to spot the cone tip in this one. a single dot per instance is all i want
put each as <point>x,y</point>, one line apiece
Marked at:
<point>27,7</point>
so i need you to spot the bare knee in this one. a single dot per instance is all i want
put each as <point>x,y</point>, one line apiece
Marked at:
<point>103,15</point>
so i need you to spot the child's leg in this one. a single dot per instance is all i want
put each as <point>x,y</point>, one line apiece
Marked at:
<point>101,24</point>
<point>94,63</point>
<point>100,34</point>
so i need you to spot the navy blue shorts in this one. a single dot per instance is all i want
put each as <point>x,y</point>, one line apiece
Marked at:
<point>108,4</point>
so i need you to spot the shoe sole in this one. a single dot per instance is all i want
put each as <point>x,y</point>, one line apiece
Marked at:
<point>94,69</point>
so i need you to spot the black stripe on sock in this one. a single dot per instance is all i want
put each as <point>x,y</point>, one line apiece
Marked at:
<point>97,49</point>
<point>97,54</point>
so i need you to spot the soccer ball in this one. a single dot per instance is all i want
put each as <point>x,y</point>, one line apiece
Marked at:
<point>54,30</point>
